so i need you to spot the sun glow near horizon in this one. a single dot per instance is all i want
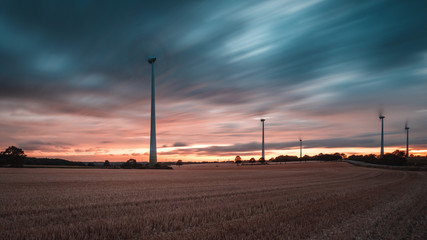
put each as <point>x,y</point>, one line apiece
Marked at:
<point>194,155</point>
<point>220,67</point>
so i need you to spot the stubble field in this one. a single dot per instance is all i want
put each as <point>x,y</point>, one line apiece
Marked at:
<point>288,201</point>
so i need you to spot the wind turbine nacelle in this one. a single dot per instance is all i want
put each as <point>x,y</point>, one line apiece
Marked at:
<point>151,60</point>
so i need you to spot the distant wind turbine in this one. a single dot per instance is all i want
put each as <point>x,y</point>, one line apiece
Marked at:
<point>153,147</point>
<point>407,139</point>
<point>263,152</point>
<point>300,148</point>
<point>382,134</point>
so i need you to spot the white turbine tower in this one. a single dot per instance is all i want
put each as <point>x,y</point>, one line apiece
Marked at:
<point>407,139</point>
<point>153,147</point>
<point>263,152</point>
<point>300,148</point>
<point>382,134</point>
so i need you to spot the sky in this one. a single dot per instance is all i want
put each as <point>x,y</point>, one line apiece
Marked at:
<point>75,82</point>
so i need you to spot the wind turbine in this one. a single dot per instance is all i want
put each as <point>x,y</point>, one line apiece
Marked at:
<point>263,153</point>
<point>300,148</point>
<point>407,139</point>
<point>382,134</point>
<point>149,48</point>
<point>153,147</point>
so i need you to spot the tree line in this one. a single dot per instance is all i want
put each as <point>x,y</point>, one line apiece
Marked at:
<point>15,157</point>
<point>395,158</point>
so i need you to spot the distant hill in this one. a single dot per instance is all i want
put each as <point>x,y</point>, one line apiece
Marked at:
<point>51,161</point>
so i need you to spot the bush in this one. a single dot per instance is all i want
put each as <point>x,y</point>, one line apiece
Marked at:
<point>162,166</point>
<point>417,161</point>
<point>371,158</point>
<point>51,161</point>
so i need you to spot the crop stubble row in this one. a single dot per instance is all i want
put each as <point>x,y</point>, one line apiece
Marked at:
<point>293,201</point>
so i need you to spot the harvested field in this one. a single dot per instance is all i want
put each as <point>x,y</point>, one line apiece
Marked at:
<point>288,201</point>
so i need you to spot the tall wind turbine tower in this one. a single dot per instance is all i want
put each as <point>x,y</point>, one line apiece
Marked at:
<point>382,135</point>
<point>153,147</point>
<point>263,152</point>
<point>407,139</point>
<point>300,148</point>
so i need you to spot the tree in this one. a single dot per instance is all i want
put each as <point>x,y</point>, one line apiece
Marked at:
<point>252,160</point>
<point>238,160</point>
<point>179,163</point>
<point>395,158</point>
<point>13,156</point>
<point>399,153</point>
<point>107,164</point>
<point>261,160</point>
<point>131,163</point>
<point>306,158</point>
<point>285,159</point>
<point>328,157</point>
